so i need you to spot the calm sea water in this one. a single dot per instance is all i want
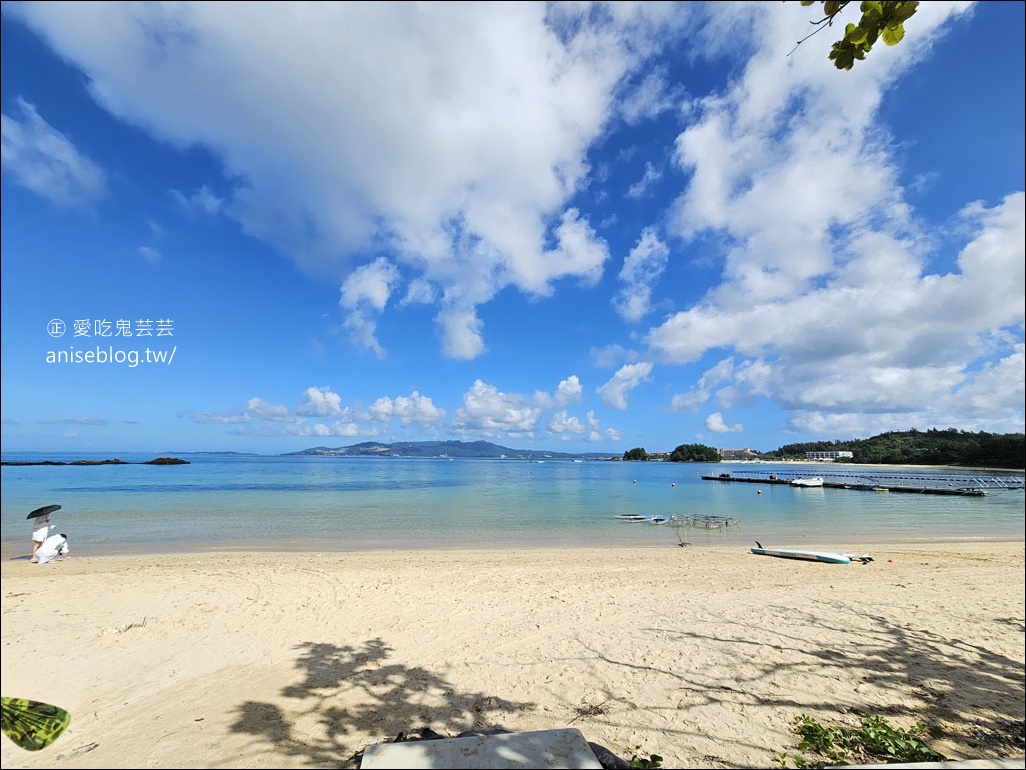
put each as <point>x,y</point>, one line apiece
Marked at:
<point>224,502</point>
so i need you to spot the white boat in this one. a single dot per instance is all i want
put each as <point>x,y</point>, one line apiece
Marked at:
<point>813,481</point>
<point>635,517</point>
<point>658,519</point>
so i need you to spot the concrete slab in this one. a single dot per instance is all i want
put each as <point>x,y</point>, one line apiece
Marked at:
<point>544,749</point>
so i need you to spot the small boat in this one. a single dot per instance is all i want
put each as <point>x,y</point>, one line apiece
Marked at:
<point>630,517</point>
<point>813,481</point>
<point>658,519</point>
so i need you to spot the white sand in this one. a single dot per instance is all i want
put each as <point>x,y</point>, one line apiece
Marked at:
<point>703,656</point>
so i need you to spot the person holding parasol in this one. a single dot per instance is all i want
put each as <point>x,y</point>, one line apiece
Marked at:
<point>40,519</point>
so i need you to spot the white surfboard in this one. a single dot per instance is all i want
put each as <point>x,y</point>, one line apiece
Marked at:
<point>829,557</point>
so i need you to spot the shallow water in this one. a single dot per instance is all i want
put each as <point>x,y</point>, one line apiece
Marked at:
<point>326,503</point>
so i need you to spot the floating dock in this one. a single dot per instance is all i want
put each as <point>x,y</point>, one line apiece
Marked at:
<point>952,485</point>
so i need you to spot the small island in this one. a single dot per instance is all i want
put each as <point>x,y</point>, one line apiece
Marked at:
<point>112,461</point>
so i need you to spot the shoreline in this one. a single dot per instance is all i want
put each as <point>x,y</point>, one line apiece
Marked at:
<point>704,655</point>
<point>16,551</point>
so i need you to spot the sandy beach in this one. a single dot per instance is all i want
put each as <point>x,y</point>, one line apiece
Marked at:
<point>701,655</point>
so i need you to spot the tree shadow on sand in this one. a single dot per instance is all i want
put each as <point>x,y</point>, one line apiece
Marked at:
<point>975,694</point>
<point>350,692</point>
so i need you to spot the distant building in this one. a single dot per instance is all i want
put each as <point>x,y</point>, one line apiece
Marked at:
<point>738,454</point>
<point>828,457</point>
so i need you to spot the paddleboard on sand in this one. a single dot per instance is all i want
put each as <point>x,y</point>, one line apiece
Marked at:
<point>829,557</point>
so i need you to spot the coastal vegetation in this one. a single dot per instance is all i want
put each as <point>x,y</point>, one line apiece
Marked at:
<point>875,739</point>
<point>694,453</point>
<point>684,453</point>
<point>914,447</point>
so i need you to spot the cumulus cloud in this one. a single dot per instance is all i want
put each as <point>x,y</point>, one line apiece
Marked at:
<point>488,411</point>
<point>45,161</point>
<point>567,392</point>
<point>414,409</point>
<point>320,402</point>
<point>714,422</point>
<point>342,428</point>
<point>454,140</point>
<point>364,295</point>
<point>627,378</point>
<point>261,410</point>
<point>561,422</point>
<point>826,299</point>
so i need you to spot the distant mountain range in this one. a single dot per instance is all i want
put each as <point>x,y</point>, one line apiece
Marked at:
<point>446,449</point>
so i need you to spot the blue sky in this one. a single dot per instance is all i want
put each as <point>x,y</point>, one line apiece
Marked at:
<point>574,227</point>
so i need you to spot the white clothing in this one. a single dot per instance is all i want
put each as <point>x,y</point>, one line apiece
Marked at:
<point>52,547</point>
<point>41,528</point>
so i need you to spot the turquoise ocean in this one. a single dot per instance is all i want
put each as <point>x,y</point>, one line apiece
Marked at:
<point>242,502</point>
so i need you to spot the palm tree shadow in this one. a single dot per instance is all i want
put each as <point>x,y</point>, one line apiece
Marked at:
<point>354,691</point>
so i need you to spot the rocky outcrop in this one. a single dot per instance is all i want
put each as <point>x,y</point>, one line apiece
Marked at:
<point>112,461</point>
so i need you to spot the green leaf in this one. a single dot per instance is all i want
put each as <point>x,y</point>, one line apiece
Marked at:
<point>892,35</point>
<point>904,11</point>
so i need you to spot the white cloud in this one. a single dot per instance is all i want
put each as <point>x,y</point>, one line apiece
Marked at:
<point>45,161</point>
<point>826,301</point>
<point>453,138</point>
<point>627,378</point>
<point>201,200</point>
<point>561,422</point>
<point>650,177</point>
<point>260,409</point>
<point>319,402</point>
<point>419,292</point>
<point>652,97</point>
<point>151,255</point>
<point>612,355</point>
<point>413,409</point>
<point>223,418</point>
<point>327,430</point>
<point>461,333</point>
<point>489,412</point>
<point>75,421</point>
<point>641,271</point>
<point>714,422</point>
<point>567,392</point>
<point>364,294</point>
<point>690,401</point>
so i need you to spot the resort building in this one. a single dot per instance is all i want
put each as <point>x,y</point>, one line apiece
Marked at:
<point>827,457</point>
<point>738,454</point>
